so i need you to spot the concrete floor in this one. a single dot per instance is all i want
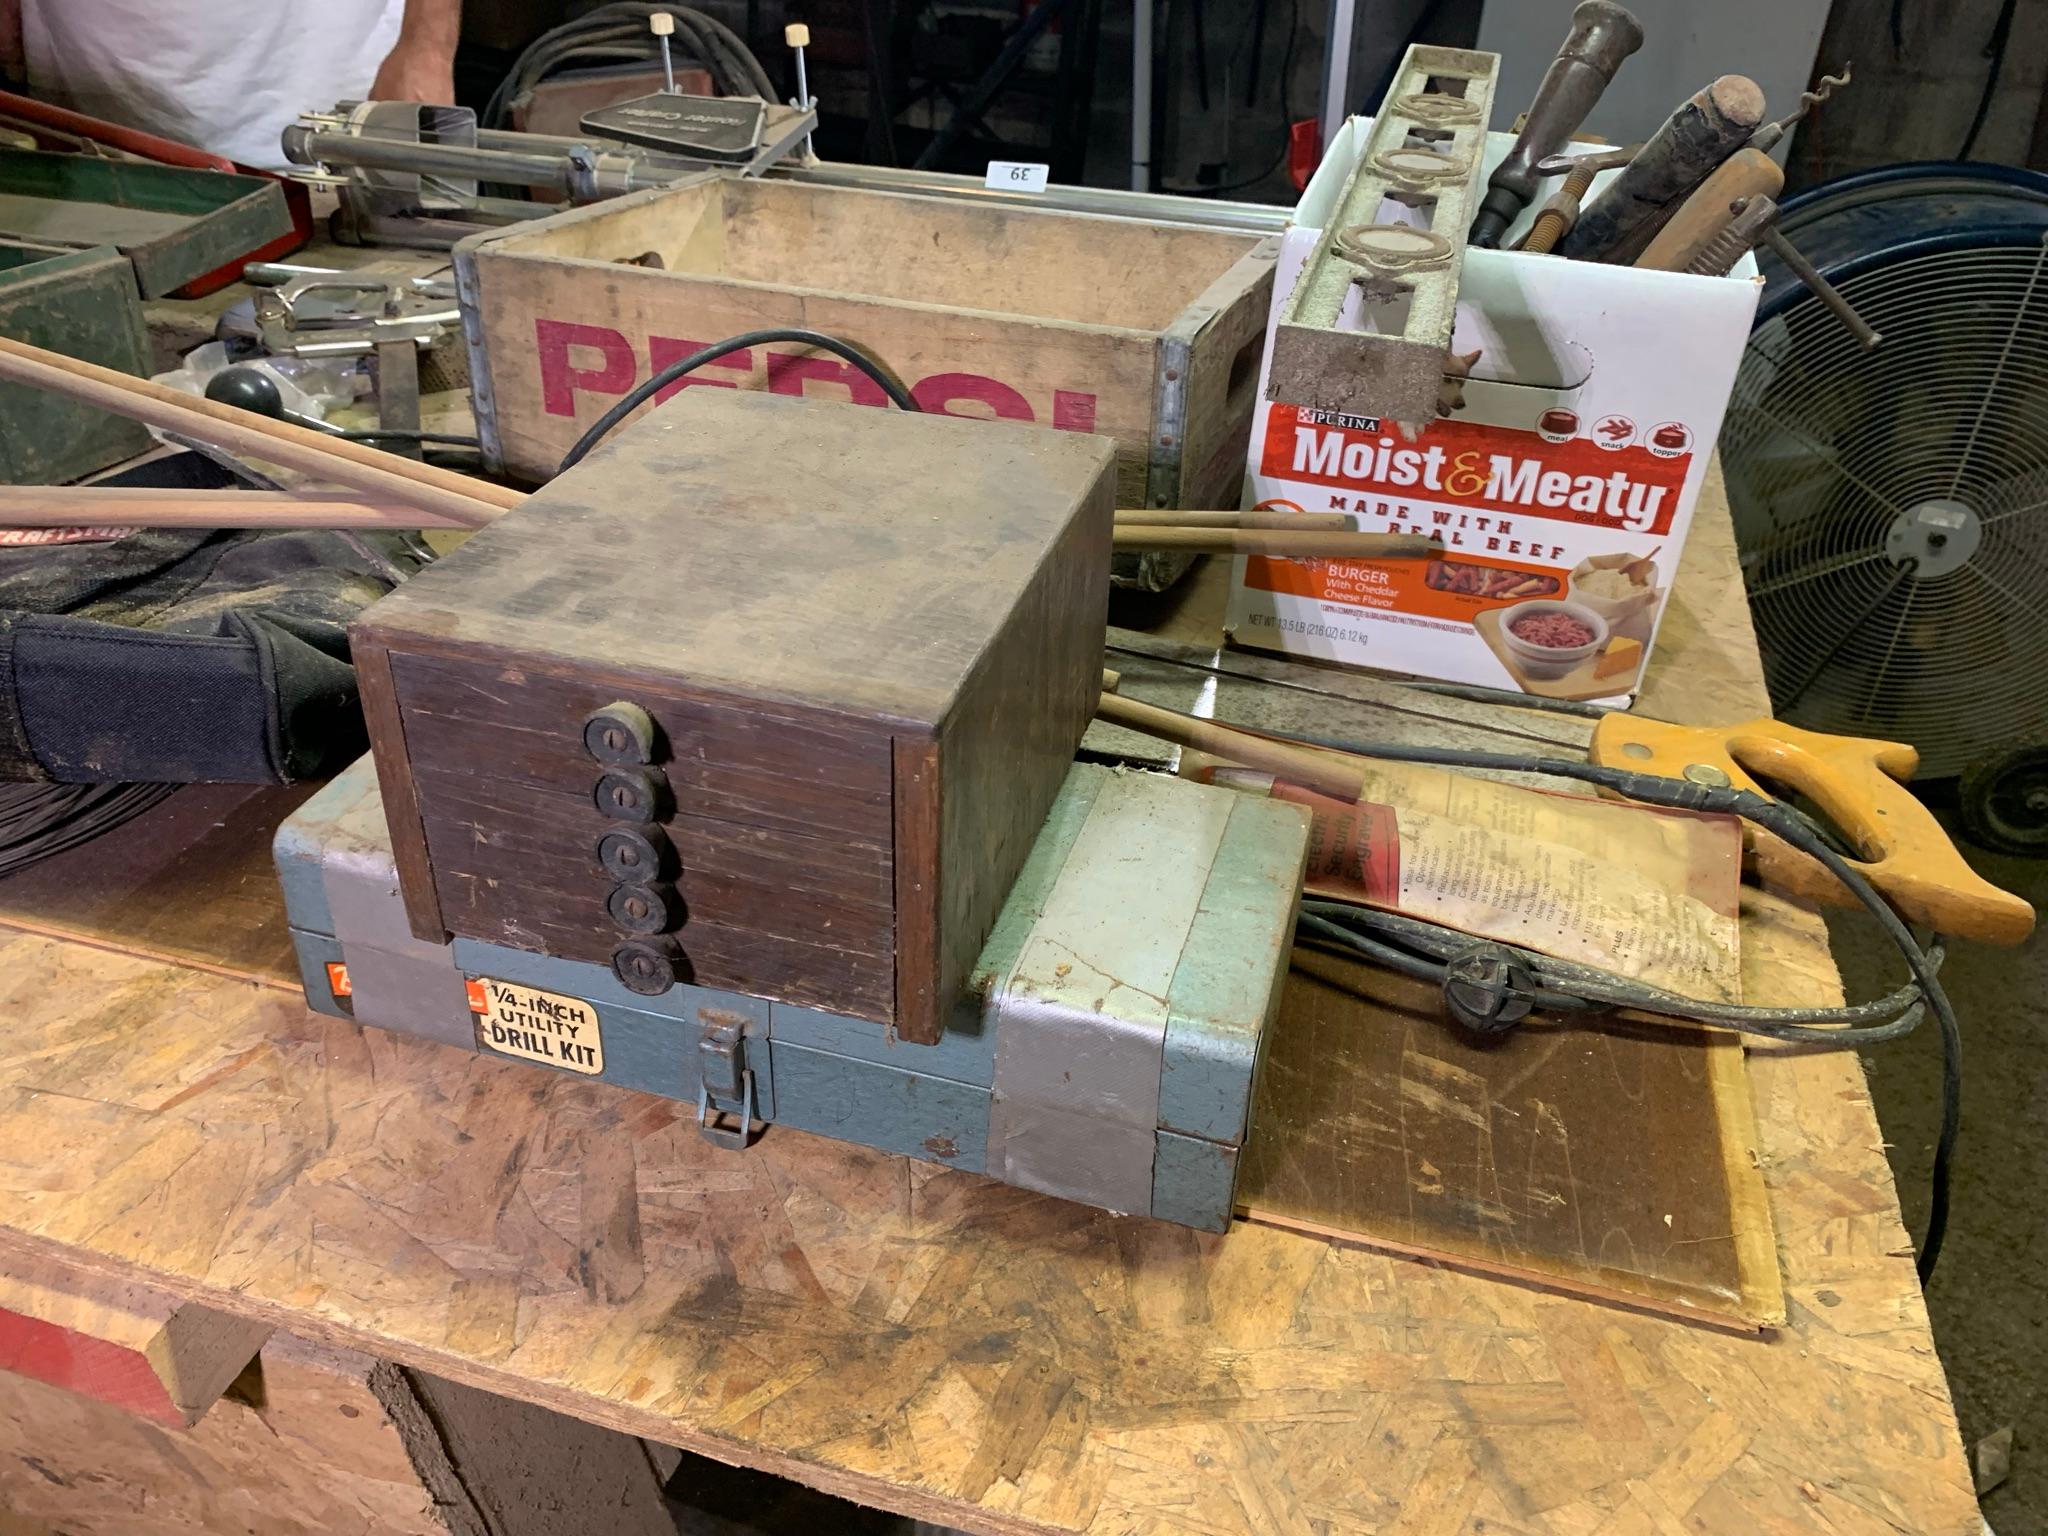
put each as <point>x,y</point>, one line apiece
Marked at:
<point>1989,1296</point>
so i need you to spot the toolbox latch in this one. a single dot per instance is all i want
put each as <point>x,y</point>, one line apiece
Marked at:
<point>724,1076</point>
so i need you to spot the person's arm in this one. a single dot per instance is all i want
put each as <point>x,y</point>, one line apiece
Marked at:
<point>421,64</point>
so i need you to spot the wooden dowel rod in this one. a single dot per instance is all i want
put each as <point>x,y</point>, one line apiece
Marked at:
<point>1297,765</point>
<point>464,502</point>
<point>1284,542</point>
<point>1166,517</point>
<point>93,506</point>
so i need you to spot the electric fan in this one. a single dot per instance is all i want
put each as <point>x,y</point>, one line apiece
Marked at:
<point>1891,505</point>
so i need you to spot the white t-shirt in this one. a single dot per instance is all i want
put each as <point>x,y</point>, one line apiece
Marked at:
<point>226,75</point>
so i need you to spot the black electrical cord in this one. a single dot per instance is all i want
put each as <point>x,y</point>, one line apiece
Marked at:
<point>611,33</point>
<point>1286,118</point>
<point>634,398</point>
<point>39,820</point>
<point>1423,950</point>
<point>1796,829</point>
<point>1994,53</point>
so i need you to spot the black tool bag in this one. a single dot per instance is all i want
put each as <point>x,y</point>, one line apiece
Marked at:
<point>186,656</point>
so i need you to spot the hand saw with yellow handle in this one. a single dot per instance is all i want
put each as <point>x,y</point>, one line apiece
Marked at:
<point>1859,785</point>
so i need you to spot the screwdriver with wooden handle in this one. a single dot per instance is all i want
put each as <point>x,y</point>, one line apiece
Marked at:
<point>1703,132</point>
<point>1748,173</point>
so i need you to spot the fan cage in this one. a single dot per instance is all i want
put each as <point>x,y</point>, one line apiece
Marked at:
<point>1827,447</point>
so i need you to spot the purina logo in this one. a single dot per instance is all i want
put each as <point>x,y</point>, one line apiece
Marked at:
<point>1468,465</point>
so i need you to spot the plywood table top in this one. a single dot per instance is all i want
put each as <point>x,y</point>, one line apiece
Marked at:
<point>932,1342</point>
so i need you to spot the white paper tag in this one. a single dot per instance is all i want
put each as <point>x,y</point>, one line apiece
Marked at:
<point>1015,176</point>
<point>537,1026</point>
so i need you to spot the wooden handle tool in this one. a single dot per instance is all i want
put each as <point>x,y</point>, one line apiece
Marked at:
<point>1703,132</point>
<point>110,506</point>
<point>1602,35</point>
<point>1747,173</point>
<point>1859,785</point>
<point>1168,517</point>
<point>1325,773</point>
<point>463,502</point>
<point>1282,543</point>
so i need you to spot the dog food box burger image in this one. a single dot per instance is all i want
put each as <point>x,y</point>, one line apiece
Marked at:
<point>1557,480</point>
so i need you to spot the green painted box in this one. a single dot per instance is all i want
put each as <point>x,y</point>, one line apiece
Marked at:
<point>83,304</point>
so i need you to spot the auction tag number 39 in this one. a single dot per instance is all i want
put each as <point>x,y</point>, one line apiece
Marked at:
<point>1015,176</point>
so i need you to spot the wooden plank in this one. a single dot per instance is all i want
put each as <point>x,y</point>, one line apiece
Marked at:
<point>127,1345</point>
<point>314,1441</point>
<point>920,848</point>
<point>1224,331</point>
<point>1601,1161</point>
<point>1008,743</point>
<point>386,724</point>
<point>1023,314</point>
<point>566,339</point>
<point>740,586</point>
<point>784,769</point>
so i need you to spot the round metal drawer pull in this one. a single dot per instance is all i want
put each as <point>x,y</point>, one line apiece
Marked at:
<point>635,855</point>
<point>644,908</point>
<point>632,794</point>
<point>621,733</point>
<point>650,966</point>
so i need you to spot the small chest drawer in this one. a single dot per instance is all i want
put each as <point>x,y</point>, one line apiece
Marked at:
<point>766,695</point>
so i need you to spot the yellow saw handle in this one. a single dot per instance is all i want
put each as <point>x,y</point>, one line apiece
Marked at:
<point>1859,785</point>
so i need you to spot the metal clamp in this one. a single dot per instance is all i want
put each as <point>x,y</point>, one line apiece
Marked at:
<point>722,1063</point>
<point>398,312</point>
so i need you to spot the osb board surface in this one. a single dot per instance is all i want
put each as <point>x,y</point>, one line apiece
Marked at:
<point>929,1341</point>
<point>1613,1162</point>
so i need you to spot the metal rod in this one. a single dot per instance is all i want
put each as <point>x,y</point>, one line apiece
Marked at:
<point>798,36</point>
<point>305,146</point>
<point>1823,290</point>
<point>662,24</point>
<point>1141,95</point>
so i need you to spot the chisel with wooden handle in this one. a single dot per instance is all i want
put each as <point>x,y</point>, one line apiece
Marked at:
<point>1748,173</point>
<point>1703,132</point>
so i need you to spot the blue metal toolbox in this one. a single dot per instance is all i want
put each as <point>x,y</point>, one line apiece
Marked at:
<point>1104,1049</point>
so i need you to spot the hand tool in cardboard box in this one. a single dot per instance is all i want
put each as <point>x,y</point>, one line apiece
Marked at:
<point>1603,35</point>
<point>1706,129</point>
<point>1577,452</point>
